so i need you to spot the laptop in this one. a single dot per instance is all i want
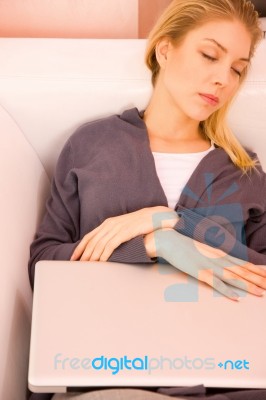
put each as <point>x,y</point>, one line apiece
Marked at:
<point>103,324</point>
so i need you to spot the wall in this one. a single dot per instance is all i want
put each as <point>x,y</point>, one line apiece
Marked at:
<point>79,18</point>
<point>149,11</point>
<point>69,18</point>
<point>83,18</point>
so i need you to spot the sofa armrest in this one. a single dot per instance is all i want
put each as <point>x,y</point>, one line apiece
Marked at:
<point>22,181</point>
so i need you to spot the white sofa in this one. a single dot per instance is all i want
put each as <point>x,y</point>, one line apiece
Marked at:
<point>48,87</point>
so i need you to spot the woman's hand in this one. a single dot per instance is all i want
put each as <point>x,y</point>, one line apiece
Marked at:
<point>206,263</point>
<point>99,244</point>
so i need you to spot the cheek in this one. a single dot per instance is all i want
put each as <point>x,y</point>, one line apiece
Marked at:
<point>232,90</point>
<point>181,75</point>
<point>189,72</point>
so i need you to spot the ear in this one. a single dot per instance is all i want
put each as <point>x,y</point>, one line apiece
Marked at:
<point>161,51</point>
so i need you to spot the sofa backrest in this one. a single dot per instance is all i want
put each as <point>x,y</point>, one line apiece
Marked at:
<point>50,86</point>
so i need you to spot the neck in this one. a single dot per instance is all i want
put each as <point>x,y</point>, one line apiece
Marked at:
<point>164,120</point>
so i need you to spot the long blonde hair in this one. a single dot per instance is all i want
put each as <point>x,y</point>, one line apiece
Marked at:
<point>181,17</point>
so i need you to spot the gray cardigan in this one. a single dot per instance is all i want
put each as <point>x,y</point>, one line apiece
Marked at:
<point>106,169</point>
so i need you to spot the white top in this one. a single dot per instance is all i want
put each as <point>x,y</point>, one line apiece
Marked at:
<point>174,171</point>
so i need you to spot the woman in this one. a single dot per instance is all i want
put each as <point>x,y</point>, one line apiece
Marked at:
<point>172,181</point>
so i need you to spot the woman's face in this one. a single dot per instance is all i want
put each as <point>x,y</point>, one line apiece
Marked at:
<point>203,73</point>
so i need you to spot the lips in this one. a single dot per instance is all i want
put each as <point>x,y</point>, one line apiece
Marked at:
<point>209,98</point>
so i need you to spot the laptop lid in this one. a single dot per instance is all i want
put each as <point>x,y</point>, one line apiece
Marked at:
<point>101,324</point>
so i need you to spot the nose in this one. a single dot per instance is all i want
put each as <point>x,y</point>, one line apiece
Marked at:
<point>222,76</point>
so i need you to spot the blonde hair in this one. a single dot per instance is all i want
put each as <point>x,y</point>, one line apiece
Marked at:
<point>181,17</point>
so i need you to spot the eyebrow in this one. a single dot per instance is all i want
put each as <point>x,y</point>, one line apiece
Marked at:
<point>224,49</point>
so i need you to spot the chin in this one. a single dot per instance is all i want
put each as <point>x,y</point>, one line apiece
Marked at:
<point>202,115</point>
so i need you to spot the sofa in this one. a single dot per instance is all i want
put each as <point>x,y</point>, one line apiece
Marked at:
<point>48,87</point>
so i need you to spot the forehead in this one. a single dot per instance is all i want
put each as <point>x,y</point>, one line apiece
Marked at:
<point>232,35</point>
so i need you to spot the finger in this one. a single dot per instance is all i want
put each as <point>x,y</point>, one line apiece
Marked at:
<point>238,275</point>
<point>94,237</point>
<point>79,249</point>
<point>235,261</point>
<point>221,287</point>
<point>83,243</point>
<point>250,273</point>
<point>101,247</point>
<point>89,242</point>
<point>235,280</point>
<point>104,251</point>
<point>93,250</point>
<point>108,250</point>
<point>258,270</point>
<point>108,243</point>
<point>255,283</point>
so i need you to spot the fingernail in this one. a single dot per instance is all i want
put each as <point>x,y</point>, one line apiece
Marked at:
<point>235,297</point>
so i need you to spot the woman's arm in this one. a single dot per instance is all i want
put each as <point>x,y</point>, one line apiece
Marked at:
<point>206,263</point>
<point>248,245</point>
<point>58,233</point>
<point>104,241</point>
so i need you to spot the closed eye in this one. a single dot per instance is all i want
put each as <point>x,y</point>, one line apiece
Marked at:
<point>237,72</point>
<point>209,57</point>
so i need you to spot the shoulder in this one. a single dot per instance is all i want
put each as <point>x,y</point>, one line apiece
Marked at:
<point>108,128</point>
<point>257,174</point>
<point>219,164</point>
<point>104,138</point>
<point>94,128</point>
<point>219,158</point>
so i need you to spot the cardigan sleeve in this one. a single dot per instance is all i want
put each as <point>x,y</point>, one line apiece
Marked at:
<point>242,238</point>
<point>250,247</point>
<point>58,233</point>
<point>256,235</point>
<point>132,251</point>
